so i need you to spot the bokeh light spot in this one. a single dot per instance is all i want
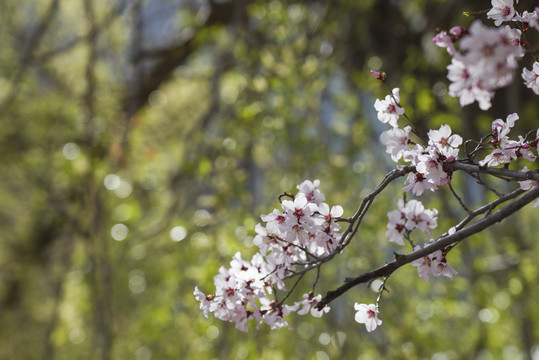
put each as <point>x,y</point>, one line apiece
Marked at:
<point>324,338</point>
<point>143,353</point>
<point>375,63</point>
<point>119,232</point>
<point>212,332</point>
<point>178,233</point>
<point>123,190</point>
<point>322,355</point>
<point>71,151</point>
<point>137,281</point>
<point>77,335</point>
<point>112,181</point>
<point>157,99</point>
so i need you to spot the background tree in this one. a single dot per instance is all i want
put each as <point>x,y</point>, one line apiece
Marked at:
<point>142,139</point>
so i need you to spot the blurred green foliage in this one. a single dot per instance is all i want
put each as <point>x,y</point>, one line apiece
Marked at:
<point>141,140</point>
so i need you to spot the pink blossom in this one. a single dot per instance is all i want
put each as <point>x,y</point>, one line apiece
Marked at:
<point>530,18</point>
<point>426,264</point>
<point>467,87</point>
<point>502,10</point>
<point>419,217</point>
<point>443,141</point>
<point>523,149</point>
<point>412,155</point>
<point>423,267</point>
<point>273,314</point>
<point>306,226</point>
<point>368,315</point>
<point>389,109</point>
<point>531,77</point>
<point>505,150</point>
<point>300,208</point>
<point>379,76</point>
<point>458,31</point>
<point>418,183</point>
<point>486,61</point>
<point>498,157</point>
<point>309,305</point>
<point>528,184</point>
<point>204,301</point>
<point>396,141</point>
<point>311,191</point>
<point>433,264</point>
<point>442,39</point>
<point>431,166</point>
<point>329,215</point>
<point>410,216</point>
<point>396,227</point>
<point>501,129</point>
<point>442,268</point>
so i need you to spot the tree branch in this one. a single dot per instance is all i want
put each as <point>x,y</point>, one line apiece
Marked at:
<point>474,169</point>
<point>438,244</point>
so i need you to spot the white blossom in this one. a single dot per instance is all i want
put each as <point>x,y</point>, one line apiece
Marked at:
<point>389,109</point>
<point>531,18</point>
<point>531,77</point>
<point>396,141</point>
<point>486,61</point>
<point>505,150</point>
<point>529,184</point>
<point>368,315</point>
<point>442,39</point>
<point>502,10</point>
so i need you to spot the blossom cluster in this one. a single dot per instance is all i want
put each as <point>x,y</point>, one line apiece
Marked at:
<point>428,160</point>
<point>429,173</point>
<point>304,229</point>
<point>433,264</point>
<point>410,216</point>
<point>504,150</point>
<point>487,57</point>
<point>486,61</point>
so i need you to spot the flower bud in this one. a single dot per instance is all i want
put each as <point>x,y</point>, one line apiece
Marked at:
<point>379,76</point>
<point>457,31</point>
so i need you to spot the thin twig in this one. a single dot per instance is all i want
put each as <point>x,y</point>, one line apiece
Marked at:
<point>381,289</point>
<point>407,237</point>
<point>483,183</point>
<point>458,199</point>
<point>291,290</point>
<point>317,278</point>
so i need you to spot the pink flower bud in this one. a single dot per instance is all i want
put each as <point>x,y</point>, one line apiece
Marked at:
<point>457,31</point>
<point>379,76</point>
<point>441,39</point>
